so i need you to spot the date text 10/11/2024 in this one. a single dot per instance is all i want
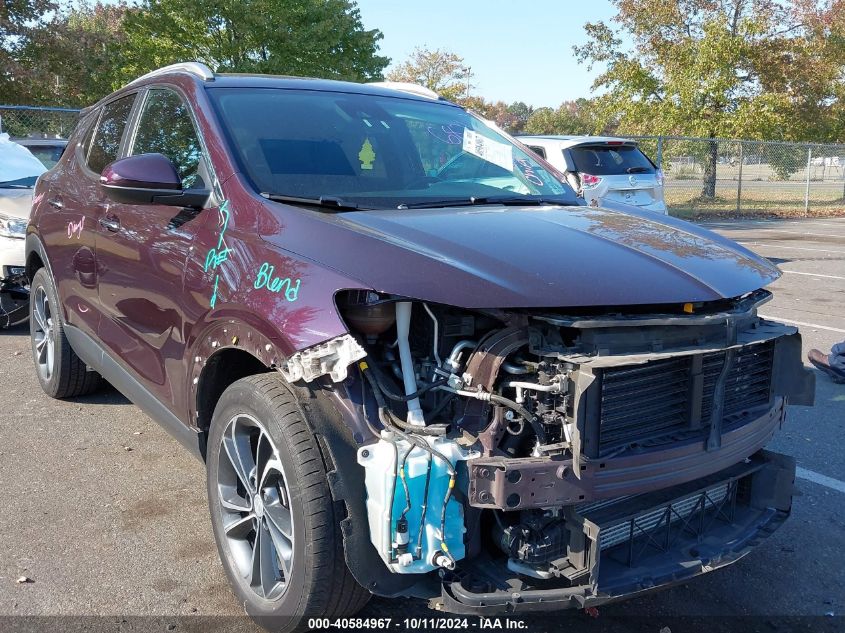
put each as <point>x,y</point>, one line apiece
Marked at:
<point>431,624</point>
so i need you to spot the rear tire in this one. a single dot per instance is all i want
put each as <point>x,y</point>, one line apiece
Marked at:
<point>61,373</point>
<point>267,485</point>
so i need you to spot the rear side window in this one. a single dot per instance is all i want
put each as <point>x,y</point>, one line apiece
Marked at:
<point>86,129</point>
<point>165,127</point>
<point>541,152</point>
<point>49,155</point>
<point>607,160</point>
<point>106,144</point>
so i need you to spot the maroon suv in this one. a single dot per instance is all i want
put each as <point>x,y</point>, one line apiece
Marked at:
<point>412,361</point>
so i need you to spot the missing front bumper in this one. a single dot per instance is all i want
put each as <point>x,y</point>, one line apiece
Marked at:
<point>14,296</point>
<point>536,482</point>
<point>651,540</point>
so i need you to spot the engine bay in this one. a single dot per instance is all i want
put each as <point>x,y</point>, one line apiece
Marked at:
<point>491,427</point>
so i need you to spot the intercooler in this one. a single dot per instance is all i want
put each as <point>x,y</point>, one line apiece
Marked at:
<point>659,400</point>
<point>664,518</point>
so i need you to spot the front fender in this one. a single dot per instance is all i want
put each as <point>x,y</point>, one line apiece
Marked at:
<point>244,293</point>
<point>245,333</point>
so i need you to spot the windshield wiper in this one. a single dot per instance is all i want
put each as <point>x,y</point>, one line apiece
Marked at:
<point>481,201</point>
<point>637,170</point>
<point>332,203</point>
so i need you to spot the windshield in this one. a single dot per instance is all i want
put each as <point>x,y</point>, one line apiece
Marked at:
<point>609,160</point>
<point>377,152</point>
<point>18,167</point>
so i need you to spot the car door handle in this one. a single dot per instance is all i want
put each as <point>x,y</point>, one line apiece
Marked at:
<point>56,202</point>
<point>110,223</point>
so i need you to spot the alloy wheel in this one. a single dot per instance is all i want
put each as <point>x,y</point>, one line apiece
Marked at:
<point>43,336</point>
<point>255,507</point>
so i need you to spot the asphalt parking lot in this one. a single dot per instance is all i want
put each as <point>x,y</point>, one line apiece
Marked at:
<point>107,515</point>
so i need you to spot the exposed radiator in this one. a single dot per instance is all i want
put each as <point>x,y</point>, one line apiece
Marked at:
<point>657,400</point>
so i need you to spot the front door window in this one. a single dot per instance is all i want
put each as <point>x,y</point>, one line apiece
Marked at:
<point>166,128</point>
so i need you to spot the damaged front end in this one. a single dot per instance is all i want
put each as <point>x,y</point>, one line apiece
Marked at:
<point>14,296</point>
<point>542,459</point>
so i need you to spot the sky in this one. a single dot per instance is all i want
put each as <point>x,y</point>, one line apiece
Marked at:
<point>518,50</point>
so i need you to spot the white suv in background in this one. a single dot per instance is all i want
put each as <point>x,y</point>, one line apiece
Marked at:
<point>19,170</point>
<point>602,167</point>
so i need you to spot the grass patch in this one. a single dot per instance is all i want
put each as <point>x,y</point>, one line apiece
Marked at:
<point>756,202</point>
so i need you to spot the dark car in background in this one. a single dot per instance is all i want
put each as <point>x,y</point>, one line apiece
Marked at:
<point>413,361</point>
<point>46,149</point>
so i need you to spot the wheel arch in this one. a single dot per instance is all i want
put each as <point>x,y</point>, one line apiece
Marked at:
<point>36,257</point>
<point>221,369</point>
<point>227,350</point>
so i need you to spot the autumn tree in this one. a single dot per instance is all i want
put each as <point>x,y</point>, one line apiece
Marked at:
<point>439,70</point>
<point>317,38</point>
<point>496,111</point>
<point>761,69</point>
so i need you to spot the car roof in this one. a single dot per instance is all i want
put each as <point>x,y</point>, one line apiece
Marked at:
<point>573,140</point>
<point>234,80</point>
<point>208,79</point>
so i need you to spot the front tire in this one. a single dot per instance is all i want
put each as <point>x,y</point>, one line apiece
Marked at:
<point>61,373</point>
<point>276,526</point>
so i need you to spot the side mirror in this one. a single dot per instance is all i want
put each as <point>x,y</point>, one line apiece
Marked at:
<point>149,179</point>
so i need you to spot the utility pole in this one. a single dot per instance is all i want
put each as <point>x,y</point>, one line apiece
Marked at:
<point>739,180</point>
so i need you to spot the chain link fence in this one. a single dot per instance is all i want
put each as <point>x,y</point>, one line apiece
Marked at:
<point>37,121</point>
<point>706,176</point>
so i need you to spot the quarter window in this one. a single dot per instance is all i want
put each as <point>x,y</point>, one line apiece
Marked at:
<point>106,145</point>
<point>165,127</point>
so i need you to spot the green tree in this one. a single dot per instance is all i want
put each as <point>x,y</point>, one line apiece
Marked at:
<point>520,113</point>
<point>761,69</point>
<point>572,117</point>
<point>438,70</point>
<point>317,38</point>
<point>19,19</point>
<point>72,59</point>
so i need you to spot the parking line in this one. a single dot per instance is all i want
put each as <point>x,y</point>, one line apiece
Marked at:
<point>802,324</point>
<point>804,233</point>
<point>838,225</point>
<point>794,248</point>
<point>795,272</point>
<point>822,480</point>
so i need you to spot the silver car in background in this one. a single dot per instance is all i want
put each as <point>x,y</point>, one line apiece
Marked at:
<point>604,168</point>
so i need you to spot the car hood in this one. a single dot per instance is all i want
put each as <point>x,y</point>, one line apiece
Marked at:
<point>508,257</point>
<point>15,202</point>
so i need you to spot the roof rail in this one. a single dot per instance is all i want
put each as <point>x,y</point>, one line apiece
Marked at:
<point>404,86</point>
<point>198,69</point>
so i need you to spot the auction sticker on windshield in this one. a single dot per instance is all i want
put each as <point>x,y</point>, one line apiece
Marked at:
<point>486,149</point>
